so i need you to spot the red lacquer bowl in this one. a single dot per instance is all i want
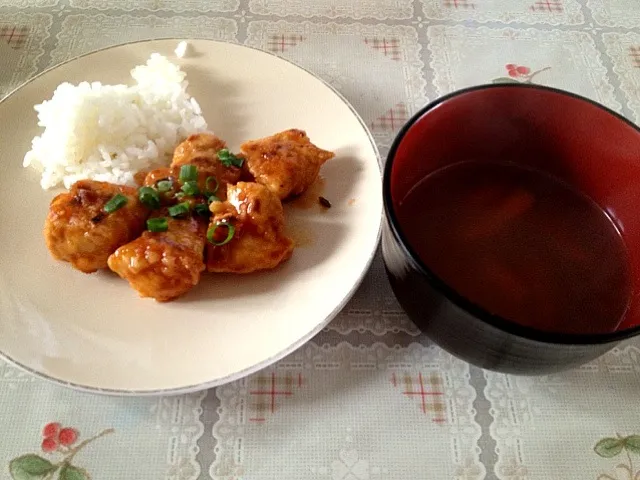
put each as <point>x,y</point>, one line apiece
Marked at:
<point>569,137</point>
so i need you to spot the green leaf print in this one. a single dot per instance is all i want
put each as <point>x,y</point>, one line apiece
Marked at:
<point>30,467</point>
<point>609,447</point>
<point>69,472</point>
<point>632,443</point>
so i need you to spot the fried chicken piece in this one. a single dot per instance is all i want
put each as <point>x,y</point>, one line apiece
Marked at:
<point>200,150</point>
<point>259,241</point>
<point>204,145</point>
<point>164,265</point>
<point>287,162</point>
<point>222,175</point>
<point>79,231</point>
<point>161,174</point>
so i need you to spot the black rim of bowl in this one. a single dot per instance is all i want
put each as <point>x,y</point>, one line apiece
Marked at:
<point>450,293</point>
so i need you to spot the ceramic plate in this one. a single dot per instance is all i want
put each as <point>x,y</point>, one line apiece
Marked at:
<point>94,332</point>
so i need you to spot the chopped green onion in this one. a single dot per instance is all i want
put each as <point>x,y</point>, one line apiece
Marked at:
<point>149,197</point>
<point>188,173</point>
<point>228,159</point>
<point>210,190</point>
<point>179,209</point>
<point>190,188</point>
<point>117,202</point>
<point>212,198</point>
<point>179,195</point>
<point>164,185</point>
<point>160,224</point>
<point>202,210</point>
<point>231,230</point>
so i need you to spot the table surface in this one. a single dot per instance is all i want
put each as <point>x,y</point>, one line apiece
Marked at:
<point>369,397</point>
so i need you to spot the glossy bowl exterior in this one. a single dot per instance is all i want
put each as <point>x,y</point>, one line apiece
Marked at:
<point>598,152</point>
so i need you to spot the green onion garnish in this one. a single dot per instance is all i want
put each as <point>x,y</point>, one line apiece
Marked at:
<point>179,195</point>
<point>231,230</point>
<point>228,159</point>
<point>212,198</point>
<point>117,202</point>
<point>164,185</point>
<point>202,210</point>
<point>188,173</point>
<point>179,209</point>
<point>160,224</point>
<point>210,190</point>
<point>149,197</point>
<point>190,188</point>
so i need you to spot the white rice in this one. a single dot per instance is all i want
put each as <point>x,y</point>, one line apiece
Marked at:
<point>110,132</point>
<point>182,49</point>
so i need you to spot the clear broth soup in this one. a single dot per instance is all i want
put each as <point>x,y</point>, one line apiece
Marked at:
<point>521,245</point>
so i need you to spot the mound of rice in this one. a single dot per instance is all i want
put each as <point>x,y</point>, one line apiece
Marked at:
<point>110,132</point>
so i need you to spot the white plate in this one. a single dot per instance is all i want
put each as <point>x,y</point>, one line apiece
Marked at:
<point>93,332</point>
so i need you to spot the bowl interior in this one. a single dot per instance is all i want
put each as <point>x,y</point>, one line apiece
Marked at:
<point>573,139</point>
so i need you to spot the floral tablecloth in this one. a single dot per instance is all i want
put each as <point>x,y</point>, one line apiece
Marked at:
<point>369,397</point>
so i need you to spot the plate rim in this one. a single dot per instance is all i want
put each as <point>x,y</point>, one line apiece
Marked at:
<point>268,361</point>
